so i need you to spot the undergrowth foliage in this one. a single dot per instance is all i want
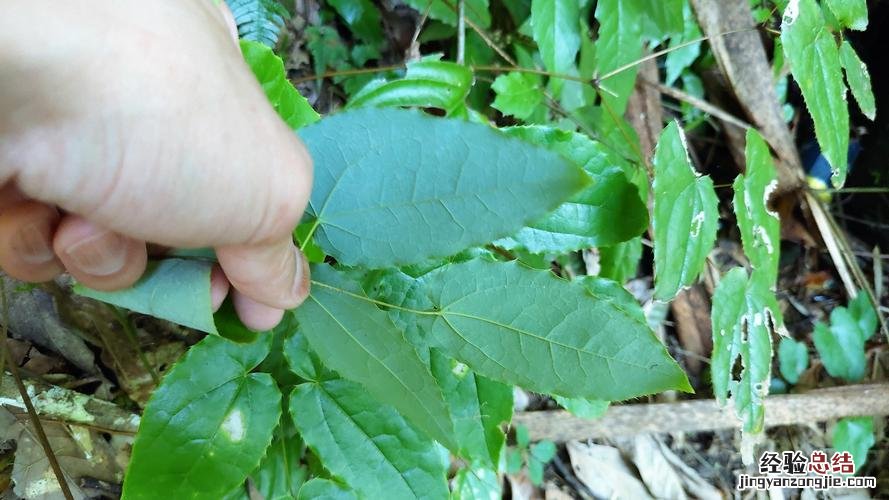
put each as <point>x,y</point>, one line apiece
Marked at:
<point>431,240</point>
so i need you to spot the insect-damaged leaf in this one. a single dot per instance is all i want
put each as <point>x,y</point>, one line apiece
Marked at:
<point>685,215</point>
<point>381,200</point>
<point>760,228</point>
<point>588,218</point>
<point>815,64</point>
<point>745,314</point>
<point>368,445</point>
<point>358,340</point>
<point>208,424</point>
<point>530,328</point>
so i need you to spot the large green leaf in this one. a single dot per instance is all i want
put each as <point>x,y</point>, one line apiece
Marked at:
<point>269,70</point>
<point>176,290</point>
<point>359,341</point>
<point>533,329</point>
<point>850,14</point>
<point>855,435</point>
<point>858,79</point>
<point>518,94</point>
<point>745,314</point>
<point>368,445</point>
<point>619,43</point>
<point>363,17</point>
<point>557,32</point>
<point>478,406</point>
<point>815,64</point>
<point>259,20</point>
<point>685,215</point>
<point>381,199</point>
<point>588,218</point>
<point>841,344</point>
<point>207,425</point>
<point>325,489</point>
<point>760,228</point>
<point>446,11</point>
<point>428,83</point>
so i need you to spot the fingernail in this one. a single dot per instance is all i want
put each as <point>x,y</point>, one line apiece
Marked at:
<point>102,254</point>
<point>32,244</point>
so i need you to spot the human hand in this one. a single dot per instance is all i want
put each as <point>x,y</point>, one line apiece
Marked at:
<point>126,122</point>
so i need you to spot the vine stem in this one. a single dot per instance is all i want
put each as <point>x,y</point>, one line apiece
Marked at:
<point>26,398</point>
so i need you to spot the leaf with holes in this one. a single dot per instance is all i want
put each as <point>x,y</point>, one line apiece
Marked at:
<point>381,199</point>
<point>367,445</point>
<point>745,314</point>
<point>208,424</point>
<point>682,199</point>
<point>858,79</point>
<point>815,64</point>
<point>760,228</point>
<point>358,340</point>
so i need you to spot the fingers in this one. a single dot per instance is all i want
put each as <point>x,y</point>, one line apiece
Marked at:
<point>274,274</point>
<point>97,257</point>
<point>255,315</point>
<point>26,232</point>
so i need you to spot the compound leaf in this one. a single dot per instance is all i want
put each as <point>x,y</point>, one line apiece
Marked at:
<point>815,64</point>
<point>685,215</point>
<point>760,228</point>
<point>858,79</point>
<point>269,70</point>
<point>359,341</point>
<point>587,219</point>
<point>380,199</point>
<point>259,20</point>
<point>850,14</point>
<point>533,329</point>
<point>367,445</point>
<point>207,425</point>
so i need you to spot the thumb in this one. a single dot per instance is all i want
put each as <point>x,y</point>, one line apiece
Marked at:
<point>273,274</point>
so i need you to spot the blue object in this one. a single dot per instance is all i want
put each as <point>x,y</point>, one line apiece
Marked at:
<point>816,166</point>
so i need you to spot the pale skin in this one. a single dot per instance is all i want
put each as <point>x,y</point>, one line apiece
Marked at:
<point>127,122</point>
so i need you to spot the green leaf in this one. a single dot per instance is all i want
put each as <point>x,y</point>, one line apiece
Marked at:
<point>259,20</point>
<point>325,489</point>
<point>850,14</point>
<point>445,11</point>
<point>380,200</point>
<point>793,359</point>
<point>477,483</point>
<point>855,435</point>
<point>620,262</point>
<point>269,70</point>
<point>619,43</point>
<point>663,18</point>
<point>745,314</point>
<point>518,94</point>
<point>428,83</point>
<point>535,471</point>
<point>557,32</point>
<point>760,228</point>
<point>841,345</point>
<point>858,79</point>
<point>544,451</point>
<point>685,215</point>
<point>359,341</point>
<point>367,445</point>
<point>815,64</point>
<point>533,329</point>
<point>176,290</point>
<point>363,18</point>
<point>207,425</point>
<point>680,58</point>
<point>280,476</point>
<point>327,49</point>
<point>478,406</point>
<point>584,408</point>
<point>587,219</point>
